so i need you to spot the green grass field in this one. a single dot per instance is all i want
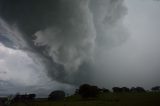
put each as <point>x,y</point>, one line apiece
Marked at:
<point>105,99</point>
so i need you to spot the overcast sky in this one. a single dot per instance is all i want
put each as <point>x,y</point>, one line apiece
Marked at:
<point>134,63</point>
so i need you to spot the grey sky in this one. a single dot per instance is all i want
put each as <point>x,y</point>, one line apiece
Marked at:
<point>135,62</point>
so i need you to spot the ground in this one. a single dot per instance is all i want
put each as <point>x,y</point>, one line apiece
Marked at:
<point>105,99</point>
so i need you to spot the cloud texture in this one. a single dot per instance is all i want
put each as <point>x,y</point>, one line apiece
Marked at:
<point>65,35</point>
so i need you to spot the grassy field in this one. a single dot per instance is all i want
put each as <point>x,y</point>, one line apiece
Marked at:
<point>105,99</point>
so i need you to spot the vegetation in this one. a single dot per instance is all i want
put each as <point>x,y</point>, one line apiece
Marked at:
<point>104,99</point>
<point>87,91</point>
<point>88,95</point>
<point>156,89</point>
<point>56,95</point>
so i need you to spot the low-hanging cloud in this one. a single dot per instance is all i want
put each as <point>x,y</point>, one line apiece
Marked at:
<point>66,34</point>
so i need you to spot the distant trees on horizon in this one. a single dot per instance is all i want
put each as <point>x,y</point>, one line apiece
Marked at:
<point>156,89</point>
<point>125,89</point>
<point>87,91</point>
<point>24,97</point>
<point>56,95</point>
<point>84,90</point>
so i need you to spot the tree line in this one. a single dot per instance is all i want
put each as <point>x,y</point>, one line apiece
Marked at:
<point>84,90</point>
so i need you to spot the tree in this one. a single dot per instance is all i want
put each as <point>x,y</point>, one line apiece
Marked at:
<point>140,89</point>
<point>31,96</point>
<point>76,91</point>
<point>137,89</point>
<point>24,97</point>
<point>125,89</point>
<point>104,90</point>
<point>56,95</point>
<point>117,89</point>
<point>87,91</point>
<point>156,89</point>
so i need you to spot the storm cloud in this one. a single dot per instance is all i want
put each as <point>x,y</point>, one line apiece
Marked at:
<point>65,35</point>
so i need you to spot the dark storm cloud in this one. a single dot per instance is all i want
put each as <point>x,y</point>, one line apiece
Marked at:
<point>6,41</point>
<point>66,34</point>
